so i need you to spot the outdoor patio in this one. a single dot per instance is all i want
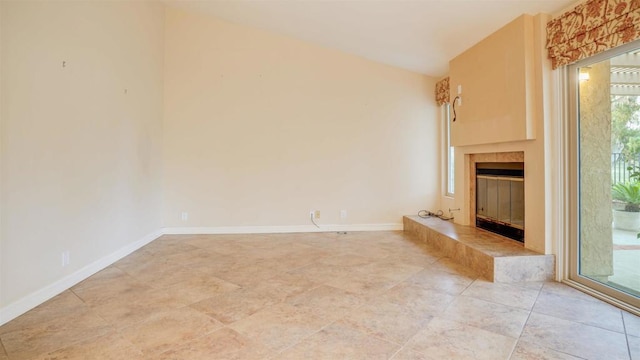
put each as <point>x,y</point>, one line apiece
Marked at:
<point>626,260</point>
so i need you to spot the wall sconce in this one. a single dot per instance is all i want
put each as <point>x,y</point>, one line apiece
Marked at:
<point>583,75</point>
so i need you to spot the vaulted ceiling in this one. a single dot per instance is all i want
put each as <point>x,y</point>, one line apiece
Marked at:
<point>419,35</point>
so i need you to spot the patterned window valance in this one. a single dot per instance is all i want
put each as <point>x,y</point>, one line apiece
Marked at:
<point>442,91</point>
<point>591,28</point>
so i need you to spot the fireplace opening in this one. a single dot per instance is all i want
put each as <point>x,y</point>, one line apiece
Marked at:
<point>500,198</point>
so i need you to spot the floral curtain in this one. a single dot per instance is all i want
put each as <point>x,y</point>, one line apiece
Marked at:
<point>442,91</point>
<point>592,27</point>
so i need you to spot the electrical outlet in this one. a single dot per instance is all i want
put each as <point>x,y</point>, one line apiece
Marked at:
<point>65,258</point>
<point>316,214</point>
<point>185,216</point>
<point>343,214</point>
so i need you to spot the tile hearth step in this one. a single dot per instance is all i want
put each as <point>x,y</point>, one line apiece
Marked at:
<point>494,257</point>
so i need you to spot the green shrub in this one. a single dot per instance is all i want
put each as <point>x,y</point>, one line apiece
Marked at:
<point>629,193</point>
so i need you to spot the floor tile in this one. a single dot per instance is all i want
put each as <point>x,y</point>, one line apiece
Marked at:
<point>389,269</point>
<point>450,283</point>
<point>631,324</point>
<point>339,341</point>
<point>250,274</point>
<point>497,318</point>
<point>634,347</point>
<point>406,354</point>
<point>197,255</point>
<point>291,262</point>
<point>169,329</point>
<point>164,248</point>
<point>327,302</point>
<point>574,338</point>
<point>215,267</point>
<point>197,286</point>
<point>55,309</point>
<point>513,295</point>
<point>446,339</point>
<point>529,351</point>
<point>386,320</point>
<point>133,260</point>
<point>417,299</point>
<point>107,284</point>
<point>279,326</point>
<point>284,286</point>
<point>223,344</point>
<point>364,284</point>
<point>234,305</point>
<point>53,335</point>
<point>578,309</point>
<point>323,273</point>
<point>156,271</point>
<point>3,354</point>
<point>137,306</point>
<point>107,347</point>
<point>344,260</point>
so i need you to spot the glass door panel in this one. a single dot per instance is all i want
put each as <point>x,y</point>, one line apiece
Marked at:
<point>517,205</point>
<point>607,134</point>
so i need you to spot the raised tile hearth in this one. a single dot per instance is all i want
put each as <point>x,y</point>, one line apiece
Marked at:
<point>492,256</point>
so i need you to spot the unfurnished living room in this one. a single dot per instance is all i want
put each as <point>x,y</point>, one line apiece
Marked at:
<point>289,179</point>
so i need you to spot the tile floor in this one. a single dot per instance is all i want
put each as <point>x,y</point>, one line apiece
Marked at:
<point>376,295</point>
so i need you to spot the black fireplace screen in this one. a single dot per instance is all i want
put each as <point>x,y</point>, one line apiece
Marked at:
<point>500,198</point>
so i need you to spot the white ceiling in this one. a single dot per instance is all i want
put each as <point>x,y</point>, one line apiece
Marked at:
<point>419,35</point>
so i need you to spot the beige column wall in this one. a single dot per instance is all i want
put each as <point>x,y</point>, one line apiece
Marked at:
<point>596,247</point>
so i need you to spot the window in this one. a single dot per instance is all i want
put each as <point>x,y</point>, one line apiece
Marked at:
<point>448,152</point>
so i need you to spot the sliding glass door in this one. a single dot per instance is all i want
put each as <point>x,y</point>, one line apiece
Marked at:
<point>605,173</point>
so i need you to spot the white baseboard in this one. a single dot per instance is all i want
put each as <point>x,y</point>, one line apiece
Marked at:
<point>29,302</point>
<point>279,229</point>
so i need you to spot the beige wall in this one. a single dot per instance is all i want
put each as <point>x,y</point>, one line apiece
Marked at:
<point>596,247</point>
<point>81,144</point>
<point>259,129</point>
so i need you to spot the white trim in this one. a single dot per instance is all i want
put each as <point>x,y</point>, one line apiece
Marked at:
<point>602,296</point>
<point>280,229</point>
<point>38,297</point>
<point>557,155</point>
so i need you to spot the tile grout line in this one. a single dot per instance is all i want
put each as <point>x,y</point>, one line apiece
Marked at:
<point>531,312</point>
<point>4,351</point>
<point>357,307</point>
<point>626,335</point>
<point>434,316</point>
<point>525,323</point>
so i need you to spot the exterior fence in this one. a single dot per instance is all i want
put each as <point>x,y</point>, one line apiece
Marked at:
<point>619,168</point>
